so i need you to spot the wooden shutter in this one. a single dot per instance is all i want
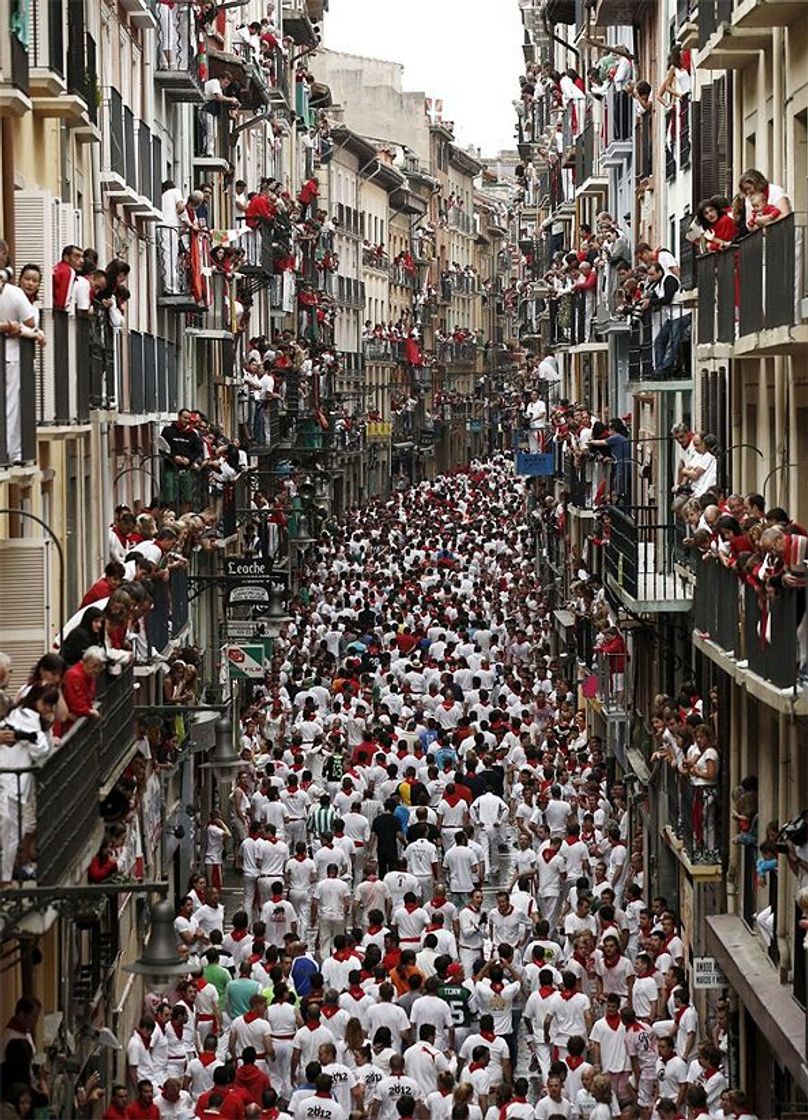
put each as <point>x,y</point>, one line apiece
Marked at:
<point>721,136</point>
<point>707,178</point>
<point>23,604</point>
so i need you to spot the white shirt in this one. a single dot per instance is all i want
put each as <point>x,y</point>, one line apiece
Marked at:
<point>392,1089</point>
<point>460,863</point>
<point>330,895</point>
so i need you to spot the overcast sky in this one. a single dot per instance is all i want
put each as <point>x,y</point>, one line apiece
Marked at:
<point>467,52</point>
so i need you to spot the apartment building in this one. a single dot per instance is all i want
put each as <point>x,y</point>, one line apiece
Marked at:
<point>736,373</point>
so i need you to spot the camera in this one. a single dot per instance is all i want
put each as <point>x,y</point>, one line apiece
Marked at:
<point>21,736</point>
<point>793,832</point>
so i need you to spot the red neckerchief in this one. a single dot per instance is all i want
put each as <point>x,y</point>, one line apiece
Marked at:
<point>568,993</point>
<point>329,1012</point>
<point>508,912</point>
<point>272,839</point>
<point>300,856</point>
<point>251,1016</point>
<point>613,1021</point>
<point>549,853</point>
<point>356,992</point>
<point>677,1015</point>
<point>342,955</point>
<point>314,1024</point>
<point>146,1037</point>
<point>206,1057</point>
<point>200,983</point>
<point>612,963</point>
<point>239,934</point>
<point>475,1065</point>
<point>452,798</point>
<point>497,986</point>
<point>489,1036</point>
<point>708,1073</point>
<point>574,1062</point>
<point>179,1033</point>
<point>374,929</point>
<point>270,1113</point>
<point>546,990</point>
<point>410,906</point>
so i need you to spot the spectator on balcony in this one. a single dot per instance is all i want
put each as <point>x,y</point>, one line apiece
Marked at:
<point>764,202</point>
<point>535,414</point>
<point>117,272</point>
<point>79,686</point>
<point>701,474</point>
<point>671,325</point>
<point>182,452</point>
<point>701,764</point>
<point>715,217</point>
<point>664,257</point>
<point>618,447</point>
<point>31,721</point>
<point>89,632</point>
<point>218,102</point>
<point>88,293</point>
<point>64,277</point>
<point>678,81</point>
<point>18,319</point>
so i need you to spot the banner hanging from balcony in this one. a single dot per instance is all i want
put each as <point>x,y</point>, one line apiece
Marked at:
<point>535,464</point>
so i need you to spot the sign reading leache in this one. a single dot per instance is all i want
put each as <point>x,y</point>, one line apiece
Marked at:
<point>249,568</point>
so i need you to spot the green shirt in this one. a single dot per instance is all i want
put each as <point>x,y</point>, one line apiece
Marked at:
<point>219,978</point>
<point>239,994</point>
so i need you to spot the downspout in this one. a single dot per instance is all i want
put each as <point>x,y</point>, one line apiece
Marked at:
<point>7,148</point>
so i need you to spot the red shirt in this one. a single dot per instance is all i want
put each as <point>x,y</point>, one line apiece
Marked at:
<point>62,282</point>
<point>78,690</point>
<point>259,208</point>
<point>137,1111</point>
<point>115,1113</point>
<point>99,590</point>
<point>232,1105</point>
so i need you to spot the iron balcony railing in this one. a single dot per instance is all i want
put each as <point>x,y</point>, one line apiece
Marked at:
<point>716,604</point>
<point>76,371</point>
<point>383,350</point>
<point>618,116</point>
<point>578,482</point>
<point>66,784</point>
<point>644,167</point>
<point>350,219</point>
<point>774,649</point>
<point>758,286</point>
<point>712,14</point>
<point>17,381</point>
<point>183,255</point>
<point>177,69</point>
<point>659,345</point>
<point>693,814</point>
<point>457,351</point>
<point>169,613</point>
<point>371,259</point>
<point>640,553</point>
<point>152,381</point>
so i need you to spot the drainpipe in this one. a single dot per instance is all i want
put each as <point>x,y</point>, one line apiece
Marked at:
<point>7,148</point>
<point>785,732</point>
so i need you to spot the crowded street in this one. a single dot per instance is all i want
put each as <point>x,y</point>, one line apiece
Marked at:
<point>403,560</point>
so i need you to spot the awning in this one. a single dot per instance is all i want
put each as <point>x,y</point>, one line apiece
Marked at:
<point>777,1015</point>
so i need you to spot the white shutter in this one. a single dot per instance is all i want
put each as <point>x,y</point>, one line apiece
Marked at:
<point>44,365</point>
<point>23,604</point>
<point>67,231</point>
<point>34,221</point>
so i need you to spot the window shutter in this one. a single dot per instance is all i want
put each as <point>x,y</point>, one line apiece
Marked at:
<point>36,230</point>
<point>721,137</point>
<point>23,604</point>
<point>707,177</point>
<point>704,396</point>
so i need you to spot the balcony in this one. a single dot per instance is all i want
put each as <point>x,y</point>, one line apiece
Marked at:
<point>458,219</point>
<point>716,605</point>
<point>83,100</point>
<point>151,386</point>
<point>350,292</point>
<point>68,781</point>
<point>687,16</point>
<point>350,220</point>
<point>149,206</point>
<point>46,56</point>
<point>376,261</point>
<point>768,275</point>
<point>639,562</point>
<point>766,13</point>
<point>399,275</point>
<point>464,285</point>
<point>177,71</point>
<point>119,170</point>
<point>168,616</point>
<point>297,23</point>
<point>76,371</point>
<point>19,444</point>
<point>181,254</point>
<point>588,180</point>
<point>383,350</point>
<point>621,13</point>
<point>217,321</point>
<point>727,46</point>
<point>14,67</point>
<point>659,349</point>
<point>455,352</point>
<point>692,814</point>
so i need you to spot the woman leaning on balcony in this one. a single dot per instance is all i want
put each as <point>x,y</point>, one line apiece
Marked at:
<point>764,202</point>
<point>714,215</point>
<point>701,764</point>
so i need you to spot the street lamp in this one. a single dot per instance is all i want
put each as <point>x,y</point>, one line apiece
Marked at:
<point>160,956</point>
<point>224,759</point>
<point>277,617</point>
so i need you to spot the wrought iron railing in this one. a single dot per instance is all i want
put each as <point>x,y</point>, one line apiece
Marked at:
<point>17,382</point>
<point>659,345</point>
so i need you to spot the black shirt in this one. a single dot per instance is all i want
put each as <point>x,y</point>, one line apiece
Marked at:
<point>386,829</point>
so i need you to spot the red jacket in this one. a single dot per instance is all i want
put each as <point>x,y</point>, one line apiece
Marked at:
<point>99,590</point>
<point>79,691</point>
<point>253,1081</point>
<point>62,280</point>
<point>232,1105</point>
